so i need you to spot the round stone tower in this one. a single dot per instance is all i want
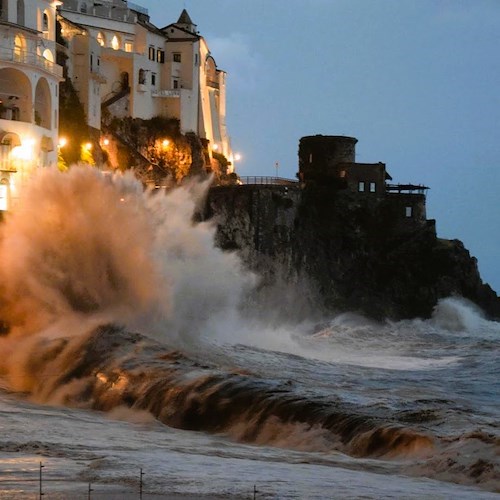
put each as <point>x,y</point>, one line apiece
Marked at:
<point>320,155</point>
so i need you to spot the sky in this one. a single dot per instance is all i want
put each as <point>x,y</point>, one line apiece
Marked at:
<point>417,82</point>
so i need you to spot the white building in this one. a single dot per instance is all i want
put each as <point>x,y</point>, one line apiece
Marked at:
<point>119,61</point>
<point>29,80</point>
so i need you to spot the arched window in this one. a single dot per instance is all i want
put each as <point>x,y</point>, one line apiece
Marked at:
<point>43,108</point>
<point>45,22</point>
<point>115,42</point>
<point>47,54</point>
<point>101,39</point>
<point>20,12</point>
<point>19,47</point>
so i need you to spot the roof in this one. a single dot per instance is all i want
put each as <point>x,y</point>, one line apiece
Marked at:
<point>184,18</point>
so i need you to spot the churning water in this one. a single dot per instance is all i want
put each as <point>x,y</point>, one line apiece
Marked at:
<point>131,347</point>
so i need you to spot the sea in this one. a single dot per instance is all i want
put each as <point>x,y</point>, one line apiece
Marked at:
<point>142,362</point>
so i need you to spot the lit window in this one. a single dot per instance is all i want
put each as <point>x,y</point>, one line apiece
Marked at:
<point>129,46</point>
<point>342,173</point>
<point>115,43</point>
<point>100,39</point>
<point>310,157</point>
<point>177,57</point>
<point>160,56</point>
<point>409,211</point>
<point>361,186</point>
<point>373,187</point>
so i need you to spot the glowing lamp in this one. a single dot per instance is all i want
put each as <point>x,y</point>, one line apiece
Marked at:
<point>62,142</point>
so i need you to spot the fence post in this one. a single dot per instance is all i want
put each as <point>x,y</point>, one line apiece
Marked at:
<point>41,491</point>
<point>140,484</point>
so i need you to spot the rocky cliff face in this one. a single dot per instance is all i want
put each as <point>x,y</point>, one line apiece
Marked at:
<point>348,247</point>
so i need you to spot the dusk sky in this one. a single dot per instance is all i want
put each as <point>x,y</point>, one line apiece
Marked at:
<point>416,82</point>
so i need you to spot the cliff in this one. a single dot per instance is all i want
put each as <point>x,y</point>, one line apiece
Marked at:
<point>351,250</point>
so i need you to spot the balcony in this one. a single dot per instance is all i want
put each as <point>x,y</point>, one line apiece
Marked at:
<point>31,59</point>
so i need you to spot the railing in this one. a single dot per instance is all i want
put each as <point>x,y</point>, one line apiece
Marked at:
<point>166,93</point>
<point>406,188</point>
<point>23,57</point>
<point>267,181</point>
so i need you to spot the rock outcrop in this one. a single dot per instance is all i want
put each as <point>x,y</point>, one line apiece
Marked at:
<point>349,247</point>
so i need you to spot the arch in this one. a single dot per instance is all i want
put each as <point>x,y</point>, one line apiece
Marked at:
<point>101,39</point>
<point>19,47</point>
<point>211,68</point>
<point>115,42</point>
<point>17,95</point>
<point>43,104</point>
<point>47,54</point>
<point>20,12</point>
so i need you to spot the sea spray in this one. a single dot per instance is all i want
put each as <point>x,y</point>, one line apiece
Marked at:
<point>88,245</point>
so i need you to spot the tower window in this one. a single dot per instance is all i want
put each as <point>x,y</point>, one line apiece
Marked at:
<point>361,186</point>
<point>373,187</point>
<point>409,212</point>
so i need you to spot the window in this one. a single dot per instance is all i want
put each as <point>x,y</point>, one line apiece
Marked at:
<point>115,43</point>
<point>176,84</point>
<point>196,59</point>
<point>83,8</point>
<point>151,53</point>
<point>153,79</point>
<point>409,212</point>
<point>373,187</point>
<point>177,57</point>
<point>361,186</point>
<point>20,12</point>
<point>142,77</point>
<point>160,56</point>
<point>342,174</point>
<point>45,22</point>
<point>310,157</point>
<point>129,46</point>
<point>100,39</point>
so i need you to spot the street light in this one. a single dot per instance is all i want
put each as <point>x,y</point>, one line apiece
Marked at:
<point>62,142</point>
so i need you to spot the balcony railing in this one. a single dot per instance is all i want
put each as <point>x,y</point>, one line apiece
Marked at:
<point>267,181</point>
<point>23,57</point>
<point>166,93</point>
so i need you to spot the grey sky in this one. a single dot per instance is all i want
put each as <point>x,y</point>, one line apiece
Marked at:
<point>417,82</point>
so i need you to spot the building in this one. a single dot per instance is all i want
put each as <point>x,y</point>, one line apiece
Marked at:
<point>29,80</point>
<point>120,62</point>
<point>331,160</point>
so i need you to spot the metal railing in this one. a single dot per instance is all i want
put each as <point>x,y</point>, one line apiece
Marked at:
<point>267,181</point>
<point>30,58</point>
<point>406,188</point>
